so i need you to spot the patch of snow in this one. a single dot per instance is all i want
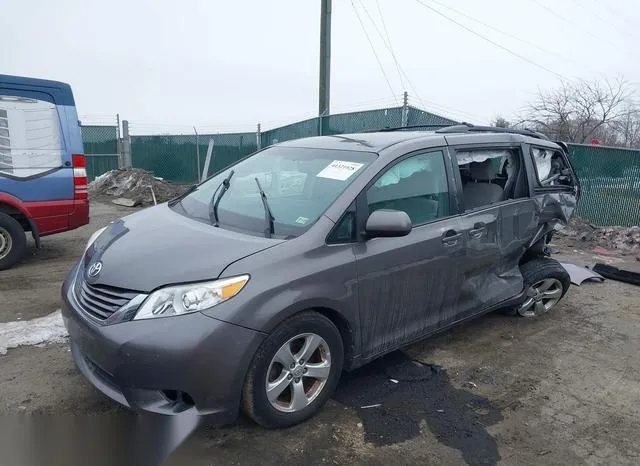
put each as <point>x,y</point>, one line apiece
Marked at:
<point>38,331</point>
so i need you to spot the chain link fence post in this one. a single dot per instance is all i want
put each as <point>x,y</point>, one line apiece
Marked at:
<point>126,142</point>
<point>258,138</point>
<point>197,155</point>
<point>405,110</point>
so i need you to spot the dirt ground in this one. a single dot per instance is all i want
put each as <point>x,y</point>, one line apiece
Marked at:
<point>561,389</point>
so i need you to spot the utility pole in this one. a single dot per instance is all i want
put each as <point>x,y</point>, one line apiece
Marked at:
<point>325,58</point>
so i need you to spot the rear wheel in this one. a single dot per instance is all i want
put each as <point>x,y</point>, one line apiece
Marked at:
<point>546,282</point>
<point>13,243</point>
<point>294,372</point>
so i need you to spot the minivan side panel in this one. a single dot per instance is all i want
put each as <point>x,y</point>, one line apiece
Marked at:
<point>310,275</point>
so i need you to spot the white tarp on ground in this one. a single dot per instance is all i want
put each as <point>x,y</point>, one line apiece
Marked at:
<point>42,330</point>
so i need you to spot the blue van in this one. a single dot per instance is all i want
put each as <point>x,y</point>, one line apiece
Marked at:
<point>43,178</point>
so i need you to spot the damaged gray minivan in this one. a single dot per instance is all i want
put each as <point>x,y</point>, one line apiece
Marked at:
<point>258,287</point>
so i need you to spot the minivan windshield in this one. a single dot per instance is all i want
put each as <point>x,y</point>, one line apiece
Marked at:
<point>299,184</point>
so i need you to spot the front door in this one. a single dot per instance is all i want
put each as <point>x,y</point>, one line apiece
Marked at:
<point>408,285</point>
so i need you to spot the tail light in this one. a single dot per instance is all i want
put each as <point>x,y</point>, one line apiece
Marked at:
<point>80,179</point>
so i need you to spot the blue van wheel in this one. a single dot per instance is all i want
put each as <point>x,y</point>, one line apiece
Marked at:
<point>13,243</point>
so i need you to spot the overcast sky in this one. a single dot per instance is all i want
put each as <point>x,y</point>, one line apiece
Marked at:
<point>222,65</point>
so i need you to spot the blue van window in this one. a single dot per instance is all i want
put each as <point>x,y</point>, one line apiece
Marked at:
<point>30,137</point>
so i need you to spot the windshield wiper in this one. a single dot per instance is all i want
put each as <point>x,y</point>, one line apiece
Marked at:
<point>178,198</point>
<point>268,216</point>
<point>213,208</point>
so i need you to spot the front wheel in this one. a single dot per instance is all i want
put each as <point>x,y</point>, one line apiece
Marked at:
<point>294,372</point>
<point>13,243</point>
<point>546,282</point>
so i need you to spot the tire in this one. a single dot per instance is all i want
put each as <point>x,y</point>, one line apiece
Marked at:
<point>546,282</point>
<point>13,243</point>
<point>282,410</point>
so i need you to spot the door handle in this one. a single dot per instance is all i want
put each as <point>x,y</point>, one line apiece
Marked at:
<point>478,230</point>
<point>451,237</point>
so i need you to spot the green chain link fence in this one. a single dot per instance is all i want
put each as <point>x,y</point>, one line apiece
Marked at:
<point>175,158</point>
<point>100,148</point>
<point>610,180</point>
<point>610,177</point>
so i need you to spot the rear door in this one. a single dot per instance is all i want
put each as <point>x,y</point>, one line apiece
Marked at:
<point>497,232</point>
<point>554,181</point>
<point>409,286</point>
<point>35,163</point>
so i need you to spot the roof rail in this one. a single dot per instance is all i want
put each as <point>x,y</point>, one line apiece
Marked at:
<point>468,128</point>
<point>402,128</point>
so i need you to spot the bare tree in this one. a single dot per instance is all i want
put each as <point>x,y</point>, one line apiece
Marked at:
<point>580,111</point>
<point>501,122</point>
<point>627,127</point>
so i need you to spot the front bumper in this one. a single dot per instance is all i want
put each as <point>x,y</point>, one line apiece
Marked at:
<point>165,365</point>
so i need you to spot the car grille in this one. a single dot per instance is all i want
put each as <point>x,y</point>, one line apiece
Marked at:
<point>101,301</point>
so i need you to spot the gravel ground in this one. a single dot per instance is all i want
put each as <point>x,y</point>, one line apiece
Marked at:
<point>561,389</point>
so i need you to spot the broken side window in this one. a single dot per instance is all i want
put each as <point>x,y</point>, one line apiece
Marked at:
<point>551,168</point>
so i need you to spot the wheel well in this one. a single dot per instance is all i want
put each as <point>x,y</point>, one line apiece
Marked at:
<point>537,250</point>
<point>16,214</point>
<point>345,330</point>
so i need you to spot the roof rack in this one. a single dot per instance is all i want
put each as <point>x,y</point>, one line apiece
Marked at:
<point>469,128</point>
<point>403,128</point>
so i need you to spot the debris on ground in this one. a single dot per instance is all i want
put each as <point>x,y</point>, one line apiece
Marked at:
<point>371,406</point>
<point>608,240</point>
<point>614,273</point>
<point>123,201</point>
<point>579,274</point>
<point>134,186</point>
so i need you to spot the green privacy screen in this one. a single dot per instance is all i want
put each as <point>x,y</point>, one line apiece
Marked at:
<point>101,149</point>
<point>610,177</point>
<point>610,180</point>
<point>175,158</point>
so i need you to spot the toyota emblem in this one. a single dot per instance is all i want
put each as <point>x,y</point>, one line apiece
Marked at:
<point>95,269</point>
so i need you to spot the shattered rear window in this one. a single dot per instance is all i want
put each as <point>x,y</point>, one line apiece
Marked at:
<point>498,158</point>
<point>542,159</point>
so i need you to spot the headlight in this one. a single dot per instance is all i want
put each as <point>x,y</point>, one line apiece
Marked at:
<point>94,237</point>
<point>177,300</point>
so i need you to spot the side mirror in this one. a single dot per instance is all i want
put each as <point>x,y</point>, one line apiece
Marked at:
<point>387,223</point>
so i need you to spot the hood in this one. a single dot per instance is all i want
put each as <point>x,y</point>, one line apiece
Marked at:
<point>157,247</point>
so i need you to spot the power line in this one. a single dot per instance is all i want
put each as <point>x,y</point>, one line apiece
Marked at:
<point>500,46</point>
<point>613,13</point>
<point>374,51</point>
<point>570,22</point>
<point>415,93</point>
<point>399,67</point>
<point>386,32</point>
<point>500,31</point>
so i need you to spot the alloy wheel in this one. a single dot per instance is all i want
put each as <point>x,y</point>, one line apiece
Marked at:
<point>541,297</point>
<point>298,372</point>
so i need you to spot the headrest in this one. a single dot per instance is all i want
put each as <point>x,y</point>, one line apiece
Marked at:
<point>482,171</point>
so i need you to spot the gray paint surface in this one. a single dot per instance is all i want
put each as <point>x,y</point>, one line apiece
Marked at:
<point>382,293</point>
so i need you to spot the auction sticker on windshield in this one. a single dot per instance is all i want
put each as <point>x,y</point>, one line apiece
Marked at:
<point>339,170</point>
